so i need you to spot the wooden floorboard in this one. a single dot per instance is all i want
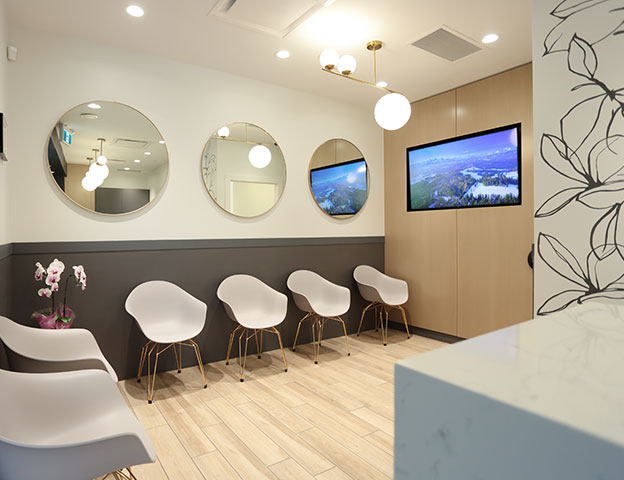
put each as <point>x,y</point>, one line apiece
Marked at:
<point>331,421</point>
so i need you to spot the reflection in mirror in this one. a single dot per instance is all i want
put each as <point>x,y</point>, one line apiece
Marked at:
<point>108,157</point>
<point>339,178</point>
<point>243,169</point>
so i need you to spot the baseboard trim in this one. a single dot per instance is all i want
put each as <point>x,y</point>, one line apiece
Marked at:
<point>423,332</point>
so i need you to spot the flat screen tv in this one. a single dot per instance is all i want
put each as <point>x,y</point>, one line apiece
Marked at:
<point>477,170</point>
<point>340,189</point>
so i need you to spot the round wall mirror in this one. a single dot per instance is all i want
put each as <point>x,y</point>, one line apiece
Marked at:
<point>339,179</point>
<point>107,157</point>
<point>243,169</point>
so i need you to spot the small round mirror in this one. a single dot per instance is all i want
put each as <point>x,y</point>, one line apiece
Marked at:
<point>107,157</point>
<point>243,169</point>
<point>339,178</point>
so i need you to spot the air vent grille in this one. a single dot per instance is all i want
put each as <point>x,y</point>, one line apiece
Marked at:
<point>130,143</point>
<point>447,44</point>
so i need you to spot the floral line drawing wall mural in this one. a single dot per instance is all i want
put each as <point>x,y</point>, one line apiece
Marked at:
<point>586,151</point>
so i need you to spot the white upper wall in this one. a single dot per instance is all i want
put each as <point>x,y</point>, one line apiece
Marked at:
<point>4,94</point>
<point>186,103</point>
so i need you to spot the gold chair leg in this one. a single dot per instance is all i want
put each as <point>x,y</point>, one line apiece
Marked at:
<point>307,315</point>
<point>322,322</point>
<point>261,340</point>
<point>200,364</point>
<point>344,329</point>
<point>142,360</point>
<point>362,317</point>
<point>400,307</point>
<point>177,358</point>
<point>314,325</point>
<point>384,330</point>
<point>229,350</point>
<point>279,339</point>
<point>257,343</point>
<point>243,359</point>
<point>152,382</point>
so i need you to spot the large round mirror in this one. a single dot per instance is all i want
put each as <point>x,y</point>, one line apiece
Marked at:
<point>243,169</point>
<point>108,157</point>
<point>339,178</point>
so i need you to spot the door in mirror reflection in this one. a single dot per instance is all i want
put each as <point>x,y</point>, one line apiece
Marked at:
<point>108,157</point>
<point>243,169</point>
<point>339,178</point>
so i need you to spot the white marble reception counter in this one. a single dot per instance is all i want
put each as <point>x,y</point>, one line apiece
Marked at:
<point>540,400</point>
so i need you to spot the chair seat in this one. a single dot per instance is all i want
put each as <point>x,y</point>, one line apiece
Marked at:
<point>394,298</point>
<point>171,330</point>
<point>331,309</point>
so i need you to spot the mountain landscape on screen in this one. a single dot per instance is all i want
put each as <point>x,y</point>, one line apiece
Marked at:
<point>340,189</point>
<point>481,170</point>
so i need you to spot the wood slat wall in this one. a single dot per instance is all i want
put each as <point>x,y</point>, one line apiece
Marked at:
<point>466,268</point>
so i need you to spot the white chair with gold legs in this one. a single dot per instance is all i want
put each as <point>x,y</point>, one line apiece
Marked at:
<point>383,293</point>
<point>36,350</point>
<point>67,426</point>
<point>169,317</point>
<point>322,300</point>
<point>257,308</point>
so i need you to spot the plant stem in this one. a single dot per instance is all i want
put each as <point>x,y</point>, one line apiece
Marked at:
<point>65,295</point>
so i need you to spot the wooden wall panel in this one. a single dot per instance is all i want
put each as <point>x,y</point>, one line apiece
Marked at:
<point>420,246</point>
<point>494,279</point>
<point>467,268</point>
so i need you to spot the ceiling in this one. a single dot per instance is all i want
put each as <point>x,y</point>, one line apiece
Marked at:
<point>243,42</point>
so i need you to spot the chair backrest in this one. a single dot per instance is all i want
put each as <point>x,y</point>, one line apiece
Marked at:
<point>158,301</point>
<point>375,286</point>
<point>244,294</point>
<point>309,289</point>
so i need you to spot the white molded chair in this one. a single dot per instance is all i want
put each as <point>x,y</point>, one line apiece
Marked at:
<point>322,300</point>
<point>67,426</point>
<point>168,316</point>
<point>37,350</point>
<point>383,293</point>
<point>255,306</point>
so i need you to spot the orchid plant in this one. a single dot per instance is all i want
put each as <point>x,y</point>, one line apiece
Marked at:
<point>51,276</point>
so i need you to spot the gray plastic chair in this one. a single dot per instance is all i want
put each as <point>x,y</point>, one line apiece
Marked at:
<point>37,350</point>
<point>168,316</point>
<point>383,293</point>
<point>67,426</point>
<point>256,307</point>
<point>322,300</point>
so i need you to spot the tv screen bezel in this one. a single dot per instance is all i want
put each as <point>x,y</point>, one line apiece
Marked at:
<point>456,139</point>
<point>338,165</point>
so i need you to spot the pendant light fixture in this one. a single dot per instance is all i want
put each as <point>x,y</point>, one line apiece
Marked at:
<point>259,154</point>
<point>98,170</point>
<point>393,110</point>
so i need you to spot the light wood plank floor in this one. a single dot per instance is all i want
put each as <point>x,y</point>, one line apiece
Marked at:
<point>331,421</point>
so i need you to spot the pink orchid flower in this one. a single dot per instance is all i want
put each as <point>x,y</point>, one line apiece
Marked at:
<point>56,267</point>
<point>39,272</point>
<point>52,278</point>
<point>44,292</point>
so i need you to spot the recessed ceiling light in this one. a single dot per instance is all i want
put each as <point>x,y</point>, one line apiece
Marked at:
<point>135,11</point>
<point>89,116</point>
<point>94,106</point>
<point>490,38</point>
<point>137,161</point>
<point>282,54</point>
<point>162,142</point>
<point>126,168</point>
<point>147,153</point>
<point>329,3</point>
<point>382,84</point>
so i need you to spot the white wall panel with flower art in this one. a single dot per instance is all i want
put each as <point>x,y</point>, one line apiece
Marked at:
<point>579,151</point>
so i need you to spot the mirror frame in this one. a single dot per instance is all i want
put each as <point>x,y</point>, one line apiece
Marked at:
<point>214,200</point>
<point>113,215</point>
<point>343,216</point>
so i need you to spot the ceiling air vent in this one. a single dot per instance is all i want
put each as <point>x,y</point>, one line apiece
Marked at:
<point>130,143</point>
<point>447,44</point>
<point>274,17</point>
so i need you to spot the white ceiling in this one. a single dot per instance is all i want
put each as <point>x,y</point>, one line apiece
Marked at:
<point>183,30</point>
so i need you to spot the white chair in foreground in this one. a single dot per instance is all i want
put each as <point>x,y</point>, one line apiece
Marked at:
<point>256,307</point>
<point>67,426</point>
<point>169,317</point>
<point>37,350</point>
<point>322,300</point>
<point>383,293</point>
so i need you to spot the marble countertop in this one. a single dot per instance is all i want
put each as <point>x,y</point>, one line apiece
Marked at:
<point>567,367</point>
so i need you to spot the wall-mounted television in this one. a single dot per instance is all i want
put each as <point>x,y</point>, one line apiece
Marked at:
<point>478,170</point>
<point>340,189</point>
